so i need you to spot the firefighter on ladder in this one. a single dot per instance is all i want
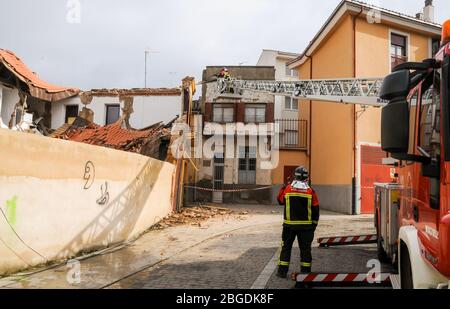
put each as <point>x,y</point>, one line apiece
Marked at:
<point>301,217</point>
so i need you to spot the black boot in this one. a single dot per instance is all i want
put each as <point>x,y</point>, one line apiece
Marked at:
<point>282,272</point>
<point>305,270</point>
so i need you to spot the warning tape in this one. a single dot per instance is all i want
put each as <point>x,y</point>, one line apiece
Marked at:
<point>347,240</point>
<point>228,191</point>
<point>344,279</point>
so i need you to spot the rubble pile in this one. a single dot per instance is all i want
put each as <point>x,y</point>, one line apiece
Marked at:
<point>145,141</point>
<point>192,216</point>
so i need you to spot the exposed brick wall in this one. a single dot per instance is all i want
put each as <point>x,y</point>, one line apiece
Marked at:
<point>208,112</point>
<point>240,112</point>
<point>270,112</point>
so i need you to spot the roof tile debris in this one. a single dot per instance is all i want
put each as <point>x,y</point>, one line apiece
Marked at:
<point>114,136</point>
<point>37,87</point>
<point>135,92</point>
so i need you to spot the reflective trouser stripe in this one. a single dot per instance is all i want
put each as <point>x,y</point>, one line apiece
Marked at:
<point>280,262</point>
<point>289,222</point>
<point>305,264</point>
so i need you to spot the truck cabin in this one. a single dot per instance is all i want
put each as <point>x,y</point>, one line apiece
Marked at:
<point>415,129</point>
<point>402,91</point>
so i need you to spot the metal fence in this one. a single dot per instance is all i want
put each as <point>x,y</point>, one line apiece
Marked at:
<point>293,133</point>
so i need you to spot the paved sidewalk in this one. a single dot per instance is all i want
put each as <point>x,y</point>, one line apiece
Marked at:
<point>231,251</point>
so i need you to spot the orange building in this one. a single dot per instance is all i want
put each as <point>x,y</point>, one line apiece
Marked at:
<point>358,40</point>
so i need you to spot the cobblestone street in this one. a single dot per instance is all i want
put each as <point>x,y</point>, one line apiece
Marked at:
<point>237,250</point>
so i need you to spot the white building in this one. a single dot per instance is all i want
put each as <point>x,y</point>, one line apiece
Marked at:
<point>149,106</point>
<point>285,108</point>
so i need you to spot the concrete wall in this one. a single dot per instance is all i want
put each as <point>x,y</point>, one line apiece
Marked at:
<point>9,99</point>
<point>63,197</point>
<point>147,109</point>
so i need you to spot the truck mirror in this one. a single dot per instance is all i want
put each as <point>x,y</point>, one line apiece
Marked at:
<point>395,85</point>
<point>395,127</point>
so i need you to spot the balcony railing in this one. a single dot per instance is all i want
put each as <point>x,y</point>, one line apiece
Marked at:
<point>396,60</point>
<point>293,133</point>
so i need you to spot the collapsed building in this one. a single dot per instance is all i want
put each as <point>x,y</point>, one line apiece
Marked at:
<point>125,119</point>
<point>152,141</point>
<point>25,99</point>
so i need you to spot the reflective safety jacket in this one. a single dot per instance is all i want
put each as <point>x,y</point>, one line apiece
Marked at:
<point>301,205</point>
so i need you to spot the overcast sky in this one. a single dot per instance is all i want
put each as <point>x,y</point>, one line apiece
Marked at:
<point>106,48</point>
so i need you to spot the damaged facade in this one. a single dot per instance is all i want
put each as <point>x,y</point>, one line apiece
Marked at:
<point>239,175</point>
<point>146,106</point>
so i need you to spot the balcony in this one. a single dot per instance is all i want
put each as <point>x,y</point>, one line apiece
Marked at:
<point>293,134</point>
<point>396,60</point>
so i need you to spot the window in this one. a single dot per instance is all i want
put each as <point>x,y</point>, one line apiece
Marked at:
<point>291,137</point>
<point>255,113</point>
<point>247,165</point>
<point>112,113</point>
<point>290,72</point>
<point>412,121</point>
<point>429,126</point>
<point>435,45</point>
<point>71,113</point>
<point>398,49</point>
<point>223,113</point>
<point>291,104</point>
<point>429,143</point>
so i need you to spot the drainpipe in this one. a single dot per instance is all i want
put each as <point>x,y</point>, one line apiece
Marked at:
<point>355,118</point>
<point>310,119</point>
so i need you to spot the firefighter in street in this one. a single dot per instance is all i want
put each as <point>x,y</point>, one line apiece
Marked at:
<point>301,217</point>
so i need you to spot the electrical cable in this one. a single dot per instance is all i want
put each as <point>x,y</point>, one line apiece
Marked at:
<point>12,228</point>
<point>15,253</point>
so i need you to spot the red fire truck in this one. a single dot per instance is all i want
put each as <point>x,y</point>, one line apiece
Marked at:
<point>415,130</point>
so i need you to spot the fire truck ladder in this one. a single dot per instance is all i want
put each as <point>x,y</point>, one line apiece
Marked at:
<point>359,91</point>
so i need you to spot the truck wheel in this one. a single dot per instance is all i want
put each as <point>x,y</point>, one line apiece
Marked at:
<point>405,269</point>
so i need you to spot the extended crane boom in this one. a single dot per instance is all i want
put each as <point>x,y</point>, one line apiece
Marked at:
<point>360,91</point>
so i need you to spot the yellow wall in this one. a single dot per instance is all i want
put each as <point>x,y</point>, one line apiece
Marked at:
<point>331,149</point>
<point>288,158</point>
<point>373,60</point>
<point>332,124</point>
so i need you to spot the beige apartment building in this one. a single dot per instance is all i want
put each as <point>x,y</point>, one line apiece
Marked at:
<point>357,41</point>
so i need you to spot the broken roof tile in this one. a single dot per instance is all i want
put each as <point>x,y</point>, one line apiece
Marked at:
<point>37,87</point>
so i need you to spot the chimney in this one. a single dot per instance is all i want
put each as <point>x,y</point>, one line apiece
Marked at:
<point>428,11</point>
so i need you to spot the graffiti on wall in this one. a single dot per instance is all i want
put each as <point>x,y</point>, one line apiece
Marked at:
<point>89,174</point>
<point>104,198</point>
<point>11,210</point>
<point>89,177</point>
